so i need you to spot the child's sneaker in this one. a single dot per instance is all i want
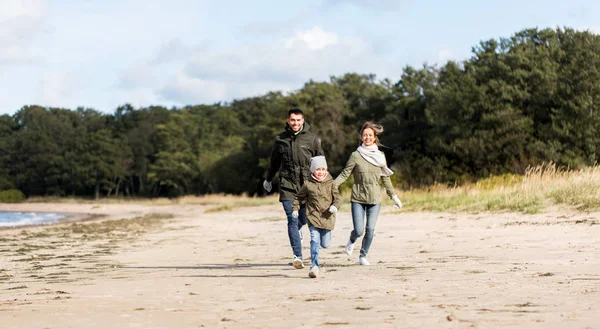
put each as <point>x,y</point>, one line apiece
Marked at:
<point>297,263</point>
<point>314,272</point>
<point>363,261</point>
<point>349,247</point>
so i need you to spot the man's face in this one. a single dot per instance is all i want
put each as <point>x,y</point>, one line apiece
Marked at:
<point>295,121</point>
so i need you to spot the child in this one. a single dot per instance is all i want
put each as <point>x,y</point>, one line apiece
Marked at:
<point>322,202</point>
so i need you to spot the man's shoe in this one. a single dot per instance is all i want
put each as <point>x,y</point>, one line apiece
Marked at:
<point>297,263</point>
<point>314,272</point>
<point>349,247</point>
<point>363,261</point>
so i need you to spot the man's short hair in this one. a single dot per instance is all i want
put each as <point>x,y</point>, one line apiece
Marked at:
<point>295,110</point>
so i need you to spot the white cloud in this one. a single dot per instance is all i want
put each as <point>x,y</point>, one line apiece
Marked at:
<point>281,24</point>
<point>174,50</point>
<point>208,75</point>
<point>139,76</point>
<point>96,54</point>
<point>313,39</point>
<point>312,54</point>
<point>16,54</point>
<point>20,22</point>
<point>54,88</point>
<point>187,90</point>
<point>139,98</point>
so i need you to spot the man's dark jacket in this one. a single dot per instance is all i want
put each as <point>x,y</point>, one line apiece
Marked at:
<point>291,157</point>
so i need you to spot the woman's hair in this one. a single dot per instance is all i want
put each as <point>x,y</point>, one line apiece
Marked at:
<point>377,129</point>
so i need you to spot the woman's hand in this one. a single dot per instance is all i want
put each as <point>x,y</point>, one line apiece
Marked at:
<point>397,202</point>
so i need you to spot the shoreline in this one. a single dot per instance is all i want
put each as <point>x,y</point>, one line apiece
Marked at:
<point>81,212</point>
<point>69,217</point>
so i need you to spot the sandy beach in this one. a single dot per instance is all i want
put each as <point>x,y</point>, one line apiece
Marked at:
<point>177,266</point>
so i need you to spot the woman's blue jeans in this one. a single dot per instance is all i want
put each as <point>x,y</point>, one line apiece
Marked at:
<point>359,211</point>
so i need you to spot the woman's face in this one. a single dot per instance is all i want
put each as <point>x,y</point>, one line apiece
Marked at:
<point>368,137</point>
<point>320,173</point>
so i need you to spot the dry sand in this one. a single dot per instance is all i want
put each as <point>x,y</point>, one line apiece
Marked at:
<point>176,266</point>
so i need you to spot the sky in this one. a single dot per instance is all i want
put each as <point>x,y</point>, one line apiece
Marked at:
<point>101,54</point>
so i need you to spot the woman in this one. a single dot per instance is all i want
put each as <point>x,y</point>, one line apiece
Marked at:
<point>367,164</point>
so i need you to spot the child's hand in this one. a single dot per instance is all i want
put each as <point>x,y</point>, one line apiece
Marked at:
<point>333,209</point>
<point>295,213</point>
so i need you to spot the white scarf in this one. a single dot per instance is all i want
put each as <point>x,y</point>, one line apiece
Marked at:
<point>318,180</point>
<point>375,157</point>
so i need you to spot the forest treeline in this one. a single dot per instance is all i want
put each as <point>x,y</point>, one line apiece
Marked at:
<point>519,101</point>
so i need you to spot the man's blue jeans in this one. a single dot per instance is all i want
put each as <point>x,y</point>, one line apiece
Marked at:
<point>294,225</point>
<point>359,211</point>
<point>319,237</point>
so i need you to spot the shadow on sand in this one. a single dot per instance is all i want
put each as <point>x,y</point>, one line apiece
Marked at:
<point>283,267</point>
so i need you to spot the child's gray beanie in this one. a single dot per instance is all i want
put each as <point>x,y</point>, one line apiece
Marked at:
<point>317,162</point>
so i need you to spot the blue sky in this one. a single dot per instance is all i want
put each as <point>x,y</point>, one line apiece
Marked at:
<point>105,53</point>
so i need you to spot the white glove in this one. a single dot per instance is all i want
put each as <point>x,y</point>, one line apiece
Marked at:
<point>397,202</point>
<point>333,209</point>
<point>267,186</point>
<point>295,213</point>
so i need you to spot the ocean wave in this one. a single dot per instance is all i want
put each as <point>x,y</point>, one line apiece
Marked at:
<point>9,219</point>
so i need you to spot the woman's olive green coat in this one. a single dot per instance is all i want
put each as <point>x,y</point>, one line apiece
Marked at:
<point>366,188</point>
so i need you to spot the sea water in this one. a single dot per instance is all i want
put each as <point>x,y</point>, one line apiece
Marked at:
<point>28,218</point>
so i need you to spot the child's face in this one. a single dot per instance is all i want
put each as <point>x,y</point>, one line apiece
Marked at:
<point>320,173</point>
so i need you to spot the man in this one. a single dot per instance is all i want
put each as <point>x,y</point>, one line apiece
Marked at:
<point>291,155</point>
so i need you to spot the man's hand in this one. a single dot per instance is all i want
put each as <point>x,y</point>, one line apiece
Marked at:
<point>267,186</point>
<point>333,209</point>
<point>397,202</point>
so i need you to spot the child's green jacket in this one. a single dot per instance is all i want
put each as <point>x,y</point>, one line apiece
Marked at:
<point>319,196</point>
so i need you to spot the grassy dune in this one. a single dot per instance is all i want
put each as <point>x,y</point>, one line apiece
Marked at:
<point>541,188</point>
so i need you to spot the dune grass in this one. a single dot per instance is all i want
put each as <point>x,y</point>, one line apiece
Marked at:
<point>541,188</point>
